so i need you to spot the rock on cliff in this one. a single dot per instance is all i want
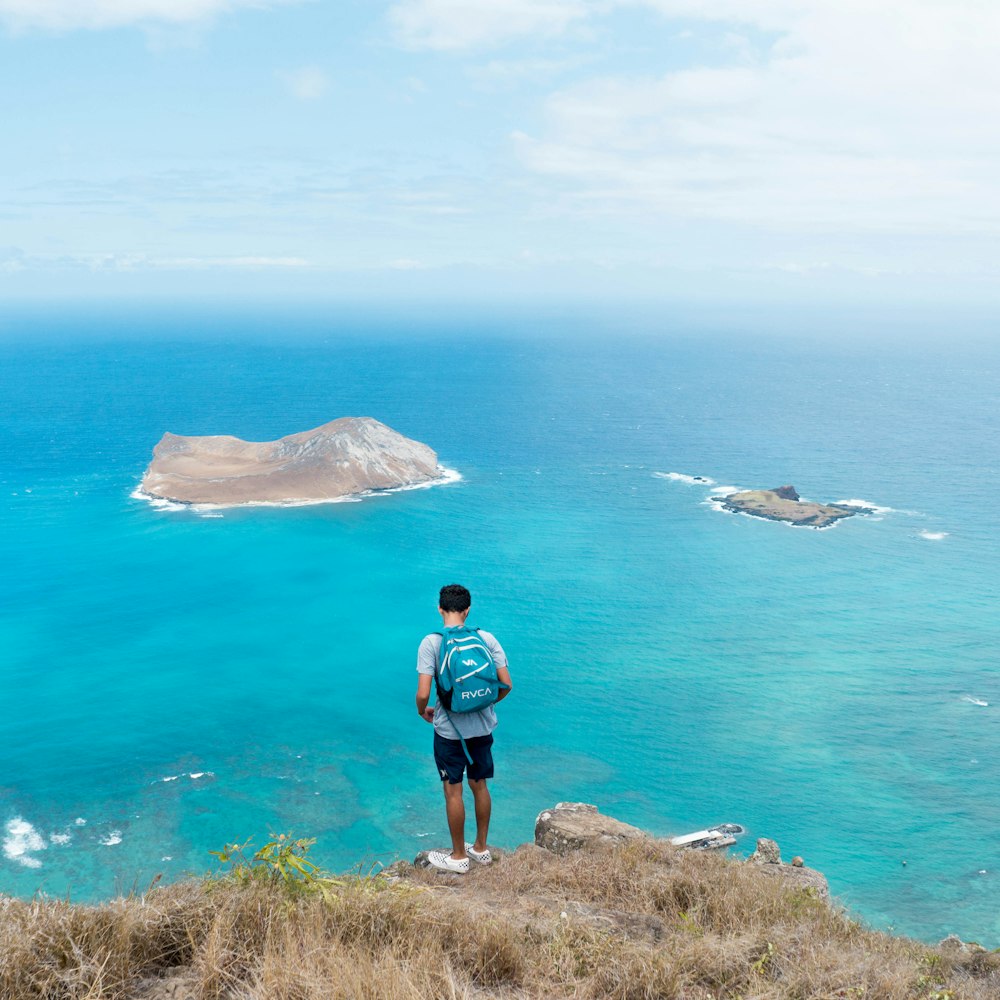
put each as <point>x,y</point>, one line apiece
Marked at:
<point>767,859</point>
<point>345,457</point>
<point>575,826</point>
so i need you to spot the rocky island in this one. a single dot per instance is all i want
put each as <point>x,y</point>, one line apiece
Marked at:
<point>346,457</point>
<point>783,504</point>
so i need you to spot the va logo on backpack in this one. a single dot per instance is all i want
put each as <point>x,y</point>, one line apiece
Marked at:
<point>466,675</point>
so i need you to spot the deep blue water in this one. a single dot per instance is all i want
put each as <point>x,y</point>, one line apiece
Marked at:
<point>673,664</point>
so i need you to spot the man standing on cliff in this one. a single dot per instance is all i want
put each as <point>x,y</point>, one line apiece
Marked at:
<point>476,728</point>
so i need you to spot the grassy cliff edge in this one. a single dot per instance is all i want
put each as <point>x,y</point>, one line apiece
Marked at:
<point>617,917</point>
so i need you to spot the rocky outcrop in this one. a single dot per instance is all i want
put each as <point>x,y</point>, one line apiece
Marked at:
<point>783,504</point>
<point>571,828</point>
<point>645,927</point>
<point>574,826</point>
<point>346,457</point>
<point>178,984</point>
<point>954,945</point>
<point>767,859</point>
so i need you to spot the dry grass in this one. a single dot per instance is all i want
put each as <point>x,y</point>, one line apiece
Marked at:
<point>643,921</point>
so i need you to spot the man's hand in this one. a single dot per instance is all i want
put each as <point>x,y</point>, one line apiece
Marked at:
<point>428,713</point>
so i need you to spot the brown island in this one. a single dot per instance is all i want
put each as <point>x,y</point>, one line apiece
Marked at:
<point>344,458</point>
<point>783,504</point>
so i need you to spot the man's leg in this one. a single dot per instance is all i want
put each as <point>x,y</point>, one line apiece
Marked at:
<point>483,807</point>
<point>455,808</point>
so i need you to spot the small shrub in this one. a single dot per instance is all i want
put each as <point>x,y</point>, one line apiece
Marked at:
<point>283,859</point>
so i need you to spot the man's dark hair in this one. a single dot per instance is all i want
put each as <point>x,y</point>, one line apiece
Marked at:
<point>454,597</point>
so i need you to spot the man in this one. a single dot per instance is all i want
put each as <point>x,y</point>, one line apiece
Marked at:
<point>475,727</point>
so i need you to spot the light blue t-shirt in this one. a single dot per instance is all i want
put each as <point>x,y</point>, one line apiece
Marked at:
<point>469,724</point>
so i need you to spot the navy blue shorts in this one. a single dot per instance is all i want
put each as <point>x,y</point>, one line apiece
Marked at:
<point>451,761</point>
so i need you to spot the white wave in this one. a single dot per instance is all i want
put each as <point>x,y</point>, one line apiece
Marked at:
<point>724,491</point>
<point>207,516</point>
<point>446,478</point>
<point>114,837</point>
<point>167,857</point>
<point>975,701</point>
<point>865,503</point>
<point>23,841</point>
<point>933,536</point>
<point>80,821</point>
<point>157,503</point>
<point>59,838</point>
<point>680,477</point>
<point>193,775</point>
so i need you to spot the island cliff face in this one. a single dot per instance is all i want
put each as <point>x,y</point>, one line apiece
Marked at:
<point>783,504</point>
<point>345,457</point>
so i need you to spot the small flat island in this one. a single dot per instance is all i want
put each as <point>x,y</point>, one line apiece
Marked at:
<point>783,504</point>
<point>344,458</point>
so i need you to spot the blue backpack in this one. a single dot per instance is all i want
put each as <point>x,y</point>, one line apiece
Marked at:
<point>466,677</point>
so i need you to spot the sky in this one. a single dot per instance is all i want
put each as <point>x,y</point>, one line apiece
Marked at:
<point>714,150</point>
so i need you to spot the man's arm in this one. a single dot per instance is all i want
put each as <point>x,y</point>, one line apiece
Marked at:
<point>424,696</point>
<point>503,675</point>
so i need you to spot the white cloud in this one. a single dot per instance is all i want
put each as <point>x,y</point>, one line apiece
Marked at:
<point>502,74</point>
<point>65,15</point>
<point>16,260</point>
<point>239,263</point>
<point>859,117</point>
<point>307,83</point>
<point>461,24</point>
<point>12,260</point>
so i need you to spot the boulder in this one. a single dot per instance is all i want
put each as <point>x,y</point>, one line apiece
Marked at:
<point>786,492</point>
<point>954,945</point>
<point>767,853</point>
<point>574,826</point>
<point>644,927</point>
<point>182,983</point>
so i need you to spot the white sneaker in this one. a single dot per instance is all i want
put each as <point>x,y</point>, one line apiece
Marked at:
<point>444,861</point>
<point>480,857</point>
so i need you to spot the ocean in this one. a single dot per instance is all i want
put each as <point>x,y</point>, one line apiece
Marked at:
<point>177,679</point>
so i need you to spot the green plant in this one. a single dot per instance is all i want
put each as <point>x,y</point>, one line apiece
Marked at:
<point>935,989</point>
<point>765,957</point>
<point>284,859</point>
<point>688,924</point>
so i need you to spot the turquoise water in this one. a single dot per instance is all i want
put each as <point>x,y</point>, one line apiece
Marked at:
<point>673,664</point>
